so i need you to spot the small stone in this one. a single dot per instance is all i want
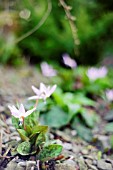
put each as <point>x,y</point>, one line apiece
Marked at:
<point>94,162</point>
<point>67,146</point>
<point>85,151</point>
<point>82,164</point>
<point>103,142</point>
<point>70,162</point>
<point>88,161</point>
<point>89,164</point>
<point>11,165</point>
<point>23,164</point>
<point>64,167</point>
<point>30,164</point>
<point>102,165</point>
<point>19,167</point>
<point>109,161</point>
<point>74,132</point>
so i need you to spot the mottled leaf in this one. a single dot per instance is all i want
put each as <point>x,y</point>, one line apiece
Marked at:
<point>24,148</point>
<point>49,152</point>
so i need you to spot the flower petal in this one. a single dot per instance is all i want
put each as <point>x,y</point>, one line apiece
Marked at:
<point>22,110</point>
<point>52,90</point>
<point>34,97</point>
<point>29,112</point>
<point>37,91</point>
<point>42,87</point>
<point>14,111</point>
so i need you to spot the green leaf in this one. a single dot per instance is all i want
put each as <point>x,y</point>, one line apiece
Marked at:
<point>39,129</point>
<point>40,139</point>
<point>32,119</point>
<point>28,129</point>
<point>15,122</point>
<point>36,131</point>
<point>109,127</point>
<point>57,95</point>
<point>73,109</point>
<point>33,138</point>
<point>24,148</point>
<point>83,100</point>
<point>56,117</point>
<point>89,116</point>
<point>49,152</point>
<point>84,132</point>
<point>23,134</point>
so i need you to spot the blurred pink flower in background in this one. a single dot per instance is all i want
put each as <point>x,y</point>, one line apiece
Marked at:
<point>68,61</point>
<point>48,70</point>
<point>95,73</point>
<point>109,94</point>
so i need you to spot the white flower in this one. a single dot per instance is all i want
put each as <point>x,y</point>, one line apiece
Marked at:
<point>47,70</point>
<point>68,61</point>
<point>20,113</point>
<point>109,94</point>
<point>95,73</point>
<point>43,92</point>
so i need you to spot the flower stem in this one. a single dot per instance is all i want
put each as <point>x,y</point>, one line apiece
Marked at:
<point>36,103</point>
<point>23,122</point>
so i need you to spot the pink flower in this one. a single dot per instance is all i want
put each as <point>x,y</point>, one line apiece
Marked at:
<point>109,94</point>
<point>95,73</point>
<point>43,92</point>
<point>20,113</point>
<point>47,70</point>
<point>68,61</point>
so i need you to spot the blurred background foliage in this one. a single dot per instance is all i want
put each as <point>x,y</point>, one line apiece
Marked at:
<point>53,37</point>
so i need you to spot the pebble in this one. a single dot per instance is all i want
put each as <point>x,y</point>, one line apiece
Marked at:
<point>102,165</point>
<point>11,165</point>
<point>84,151</point>
<point>30,165</point>
<point>82,164</point>
<point>94,162</point>
<point>64,167</point>
<point>67,146</point>
<point>19,167</point>
<point>104,142</point>
<point>23,164</point>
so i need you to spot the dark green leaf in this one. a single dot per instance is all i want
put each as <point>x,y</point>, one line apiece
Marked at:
<point>49,152</point>
<point>83,100</point>
<point>40,139</point>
